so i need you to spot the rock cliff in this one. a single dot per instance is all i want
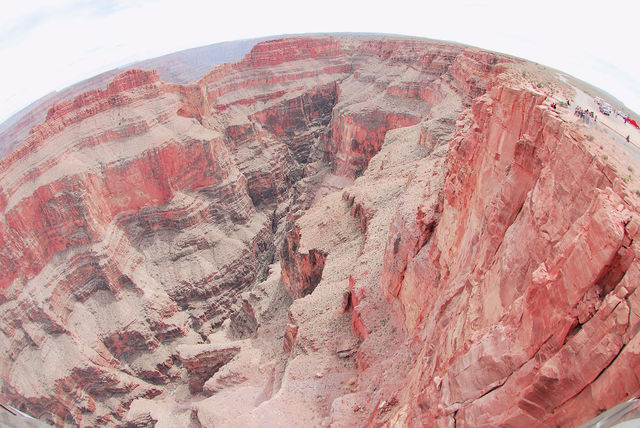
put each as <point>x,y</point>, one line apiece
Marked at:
<point>335,230</point>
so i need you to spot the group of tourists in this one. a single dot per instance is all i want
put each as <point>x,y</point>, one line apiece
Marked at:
<point>585,114</point>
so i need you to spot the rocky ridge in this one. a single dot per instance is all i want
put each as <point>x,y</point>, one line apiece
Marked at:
<point>341,230</point>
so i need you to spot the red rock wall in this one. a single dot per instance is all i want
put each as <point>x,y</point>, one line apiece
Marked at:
<point>86,105</point>
<point>523,283</point>
<point>356,139</point>
<point>290,119</point>
<point>301,271</point>
<point>275,52</point>
<point>72,211</point>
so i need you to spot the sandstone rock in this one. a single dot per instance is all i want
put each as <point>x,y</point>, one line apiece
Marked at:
<point>202,361</point>
<point>301,271</point>
<point>290,333</point>
<point>489,256</point>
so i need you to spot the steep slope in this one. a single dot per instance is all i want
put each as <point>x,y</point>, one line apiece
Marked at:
<point>335,230</point>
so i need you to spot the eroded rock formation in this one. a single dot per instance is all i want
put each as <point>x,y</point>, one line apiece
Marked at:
<point>335,230</point>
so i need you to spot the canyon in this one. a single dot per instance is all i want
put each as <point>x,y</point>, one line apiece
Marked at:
<point>336,230</point>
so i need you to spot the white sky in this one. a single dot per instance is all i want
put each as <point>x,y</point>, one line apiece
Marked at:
<point>46,45</point>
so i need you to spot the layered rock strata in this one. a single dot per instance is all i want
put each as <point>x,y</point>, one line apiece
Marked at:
<point>340,230</point>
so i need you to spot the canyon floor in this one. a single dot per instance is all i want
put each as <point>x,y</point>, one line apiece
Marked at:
<point>336,230</point>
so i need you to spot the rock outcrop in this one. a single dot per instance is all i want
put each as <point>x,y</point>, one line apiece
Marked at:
<point>520,265</point>
<point>203,361</point>
<point>343,230</point>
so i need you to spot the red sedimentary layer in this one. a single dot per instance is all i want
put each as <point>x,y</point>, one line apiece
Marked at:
<point>86,105</point>
<point>276,52</point>
<point>65,217</point>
